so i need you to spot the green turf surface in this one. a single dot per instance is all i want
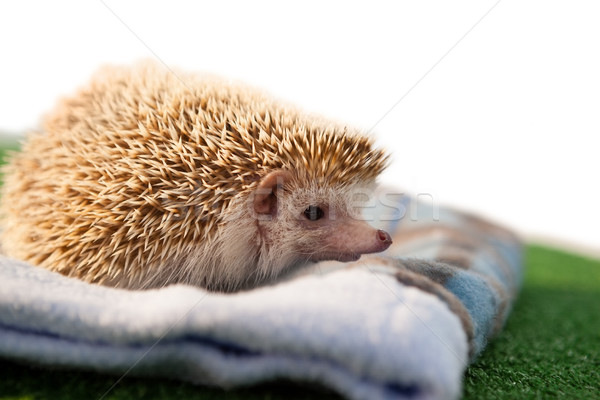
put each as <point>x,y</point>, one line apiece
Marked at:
<point>7,145</point>
<point>550,348</point>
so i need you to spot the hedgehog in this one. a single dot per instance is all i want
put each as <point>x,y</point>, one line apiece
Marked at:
<point>148,177</point>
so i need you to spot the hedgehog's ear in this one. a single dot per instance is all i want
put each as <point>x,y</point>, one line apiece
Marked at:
<point>269,187</point>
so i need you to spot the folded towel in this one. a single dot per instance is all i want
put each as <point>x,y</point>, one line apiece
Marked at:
<point>401,325</point>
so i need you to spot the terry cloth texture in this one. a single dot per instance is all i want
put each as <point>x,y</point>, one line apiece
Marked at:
<point>400,325</point>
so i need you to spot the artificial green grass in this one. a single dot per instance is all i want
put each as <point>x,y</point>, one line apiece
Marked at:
<point>550,348</point>
<point>7,145</point>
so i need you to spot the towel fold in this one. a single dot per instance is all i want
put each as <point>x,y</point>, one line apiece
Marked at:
<point>400,325</point>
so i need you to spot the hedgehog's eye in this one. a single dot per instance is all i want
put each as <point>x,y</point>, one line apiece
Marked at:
<point>313,213</point>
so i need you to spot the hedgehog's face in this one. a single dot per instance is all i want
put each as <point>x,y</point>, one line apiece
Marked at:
<point>314,221</point>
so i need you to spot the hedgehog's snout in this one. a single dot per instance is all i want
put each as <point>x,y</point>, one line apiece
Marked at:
<point>384,238</point>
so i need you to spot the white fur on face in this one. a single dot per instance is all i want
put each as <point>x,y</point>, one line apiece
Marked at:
<point>290,237</point>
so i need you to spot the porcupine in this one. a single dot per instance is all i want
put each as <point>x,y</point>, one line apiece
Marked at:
<point>148,177</point>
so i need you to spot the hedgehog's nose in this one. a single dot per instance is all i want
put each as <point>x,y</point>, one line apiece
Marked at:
<point>384,237</point>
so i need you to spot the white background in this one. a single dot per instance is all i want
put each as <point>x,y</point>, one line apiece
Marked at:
<point>499,115</point>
